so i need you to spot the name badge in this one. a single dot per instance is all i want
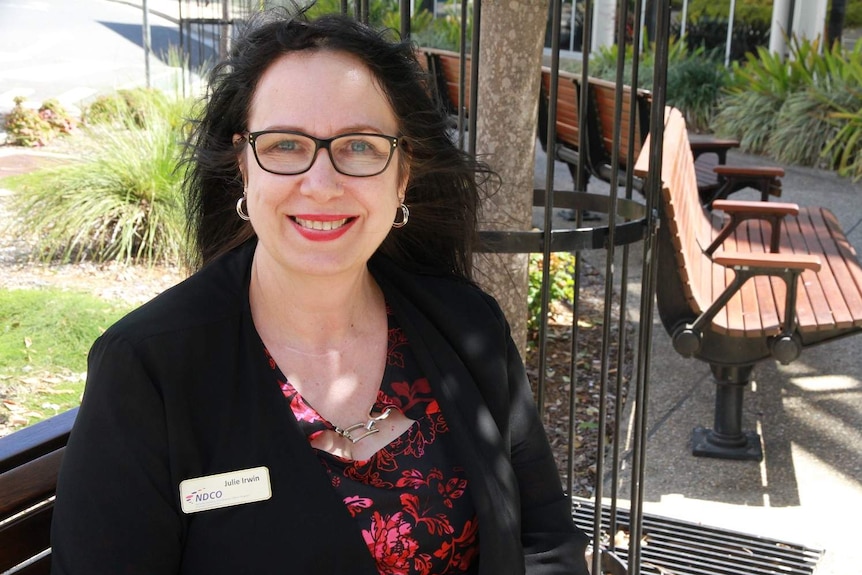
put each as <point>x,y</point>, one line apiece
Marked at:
<point>225,489</point>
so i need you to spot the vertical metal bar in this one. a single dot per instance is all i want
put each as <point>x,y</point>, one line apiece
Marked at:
<point>462,73</point>
<point>634,114</point>
<point>581,185</point>
<point>650,269</point>
<point>729,34</point>
<point>224,36</point>
<point>583,108</point>
<point>405,19</point>
<point>185,64</point>
<point>147,44</point>
<point>474,75</point>
<point>556,12</point>
<point>622,13</point>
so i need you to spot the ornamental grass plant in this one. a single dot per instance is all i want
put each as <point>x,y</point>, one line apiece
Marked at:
<point>802,110</point>
<point>121,201</point>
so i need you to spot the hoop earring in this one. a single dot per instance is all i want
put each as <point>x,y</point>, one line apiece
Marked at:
<point>405,216</point>
<point>243,215</point>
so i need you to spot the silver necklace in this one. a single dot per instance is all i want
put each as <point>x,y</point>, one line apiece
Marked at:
<point>369,426</point>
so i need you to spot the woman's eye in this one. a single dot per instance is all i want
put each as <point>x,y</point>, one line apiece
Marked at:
<point>360,147</point>
<point>286,146</point>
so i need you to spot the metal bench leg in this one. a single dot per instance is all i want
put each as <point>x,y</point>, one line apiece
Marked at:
<point>727,440</point>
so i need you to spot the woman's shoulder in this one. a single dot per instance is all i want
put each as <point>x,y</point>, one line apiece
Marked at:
<point>438,292</point>
<point>211,295</point>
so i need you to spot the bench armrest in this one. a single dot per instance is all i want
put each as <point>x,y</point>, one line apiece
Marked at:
<point>707,145</point>
<point>756,208</point>
<point>747,266</point>
<point>750,171</point>
<point>739,211</point>
<point>765,261</point>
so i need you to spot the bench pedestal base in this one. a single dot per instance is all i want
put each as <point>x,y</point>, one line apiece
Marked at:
<point>726,439</point>
<point>706,443</point>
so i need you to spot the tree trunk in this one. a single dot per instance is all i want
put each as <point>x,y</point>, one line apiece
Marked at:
<point>510,56</point>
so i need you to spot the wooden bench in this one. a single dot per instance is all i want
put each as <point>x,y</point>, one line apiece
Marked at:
<point>567,124</point>
<point>452,93</point>
<point>602,101</point>
<point>762,280</point>
<point>29,464</point>
<point>715,178</point>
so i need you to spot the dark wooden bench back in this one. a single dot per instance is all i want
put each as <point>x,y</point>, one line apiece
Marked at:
<point>689,227</point>
<point>603,96</point>
<point>446,68</point>
<point>567,124</point>
<point>29,465</point>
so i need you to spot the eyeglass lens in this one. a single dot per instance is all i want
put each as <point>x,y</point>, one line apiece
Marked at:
<point>291,153</point>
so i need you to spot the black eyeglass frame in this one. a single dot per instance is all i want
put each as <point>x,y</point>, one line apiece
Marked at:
<point>325,144</point>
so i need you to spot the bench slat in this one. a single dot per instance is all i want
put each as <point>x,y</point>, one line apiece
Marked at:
<point>25,537</point>
<point>39,567</point>
<point>29,483</point>
<point>848,253</point>
<point>846,301</point>
<point>803,240</point>
<point>735,324</point>
<point>37,439</point>
<point>567,125</point>
<point>765,287</point>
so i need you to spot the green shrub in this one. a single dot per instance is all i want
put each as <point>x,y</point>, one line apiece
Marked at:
<point>710,33</point>
<point>745,10</point>
<point>561,284</point>
<point>793,109</point>
<point>696,78</point>
<point>28,127</point>
<point>759,88</point>
<point>126,106</point>
<point>604,62</point>
<point>122,202</point>
<point>58,118</point>
<point>694,85</point>
<point>844,149</point>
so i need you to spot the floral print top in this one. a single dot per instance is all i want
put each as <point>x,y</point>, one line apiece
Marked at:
<point>410,500</point>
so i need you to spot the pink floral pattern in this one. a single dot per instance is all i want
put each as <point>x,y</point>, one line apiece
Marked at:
<point>410,500</point>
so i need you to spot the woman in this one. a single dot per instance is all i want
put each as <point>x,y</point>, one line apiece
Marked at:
<point>329,392</point>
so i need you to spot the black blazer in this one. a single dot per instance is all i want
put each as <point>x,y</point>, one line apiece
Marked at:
<point>179,389</point>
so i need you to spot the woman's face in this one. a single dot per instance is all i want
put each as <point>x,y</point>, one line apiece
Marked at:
<point>320,222</point>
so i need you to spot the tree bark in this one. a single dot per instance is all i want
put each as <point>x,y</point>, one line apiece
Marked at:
<point>510,57</point>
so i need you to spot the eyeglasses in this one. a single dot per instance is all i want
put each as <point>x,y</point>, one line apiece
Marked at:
<point>289,153</point>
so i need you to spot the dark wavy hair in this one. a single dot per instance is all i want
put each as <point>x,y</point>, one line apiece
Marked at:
<point>444,184</point>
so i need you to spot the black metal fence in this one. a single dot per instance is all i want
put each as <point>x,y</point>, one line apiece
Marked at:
<point>624,246</point>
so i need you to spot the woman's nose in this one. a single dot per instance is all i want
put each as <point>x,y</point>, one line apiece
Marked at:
<point>321,180</point>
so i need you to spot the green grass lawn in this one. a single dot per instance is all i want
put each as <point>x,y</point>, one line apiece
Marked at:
<point>45,335</point>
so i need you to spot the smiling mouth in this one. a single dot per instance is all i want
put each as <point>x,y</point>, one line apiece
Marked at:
<point>320,225</point>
